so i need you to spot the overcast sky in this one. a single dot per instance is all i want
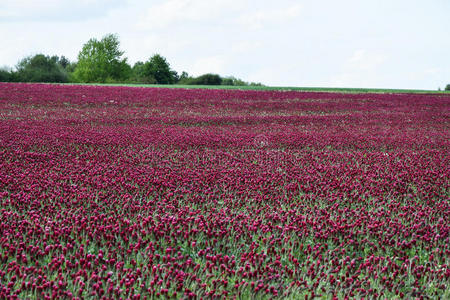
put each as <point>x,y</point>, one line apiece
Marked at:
<point>330,43</point>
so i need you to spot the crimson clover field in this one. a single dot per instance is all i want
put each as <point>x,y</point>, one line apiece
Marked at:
<point>127,192</point>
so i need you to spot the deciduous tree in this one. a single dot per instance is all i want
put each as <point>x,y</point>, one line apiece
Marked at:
<point>101,61</point>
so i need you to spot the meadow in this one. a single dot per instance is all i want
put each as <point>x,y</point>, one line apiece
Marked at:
<point>273,88</point>
<point>137,192</point>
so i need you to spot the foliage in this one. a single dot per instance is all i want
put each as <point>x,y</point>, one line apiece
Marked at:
<point>41,68</point>
<point>206,79</point>
<point>67,65</point>
<point>231,80</point>
<point>447,87</point>
<point>139,74</point>
<point>158,68</point>
<point>154,71</point>
<point>101,61</point>
<point>6,75</point>
<point>63,62</point>
<point>214,79</point>
<point>183,76</point>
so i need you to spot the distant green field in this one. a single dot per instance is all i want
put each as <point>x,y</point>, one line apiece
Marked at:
<point>272,88</point>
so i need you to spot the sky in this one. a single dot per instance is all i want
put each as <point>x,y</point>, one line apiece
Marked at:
<point>307,43</point>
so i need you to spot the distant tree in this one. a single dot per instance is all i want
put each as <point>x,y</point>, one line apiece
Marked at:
<point>175,76</point>
<point>184,75</point>
<point>207,79</point>
<point>123,73</point>
<point>139,75</point>
<point>6,75</point>
<point>231,80</point>
<point>227,81</point>
<point>158,68</point>
<point>63,62</point>
<point>184,78</point>
<point>447,87</point>
<point>138,69</point>
<point>101,61</point>
<point>40,68</point>
<point>70,69</point>
<point>67,66</point>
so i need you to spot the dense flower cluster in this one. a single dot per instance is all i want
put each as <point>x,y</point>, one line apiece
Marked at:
<point>148,192</point>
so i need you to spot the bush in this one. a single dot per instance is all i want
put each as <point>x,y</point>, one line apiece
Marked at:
<point>206,79</point>
<point>184,78</point>
<point>230,80</point>
<point>214,79</point>
<point>41,68</point>
<point>5,75</point>
<point>447,87</point>
<point>137,73</point>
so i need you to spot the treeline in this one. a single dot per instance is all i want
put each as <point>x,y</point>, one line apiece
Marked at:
<point>102,61</point>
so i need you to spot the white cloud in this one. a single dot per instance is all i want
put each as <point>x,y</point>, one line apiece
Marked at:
<point>140,47</point>
<point>211,64</point>
<point>54,10</point>
<point>361,69</point>
<point>246,46</point>
<point>432,71</point>
<point>364,60</point>
<point>177,11</point>
<point>284,42</point>
<point>422,74</point>
<point>259,19</point>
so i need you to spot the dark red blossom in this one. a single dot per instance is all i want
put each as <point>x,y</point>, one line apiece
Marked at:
<point>120,192</point>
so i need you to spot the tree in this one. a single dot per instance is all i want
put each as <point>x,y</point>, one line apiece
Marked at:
<point>184,78</point>
<point>63,62</point>
<point>100,61</point>
<point>231,80</point>
<point>139,74</point>
<point>6,75</point>
<point>40,68</point>
<point>184,75</point>
<point>447,87</point>
<point>207,79</point>
<point>158,68</point>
